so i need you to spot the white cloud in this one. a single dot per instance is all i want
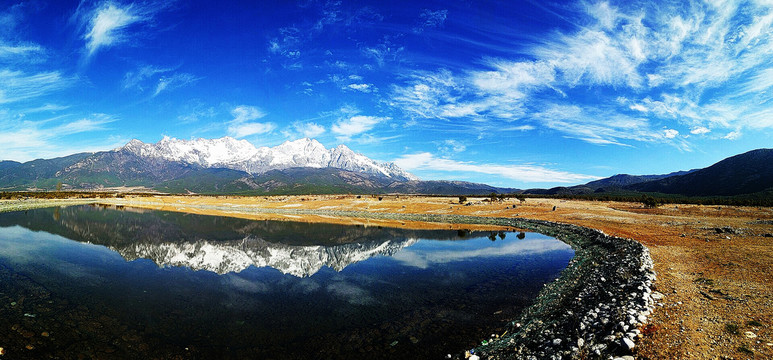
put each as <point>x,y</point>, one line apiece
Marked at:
<point>695,65</point>
<point>670,133</point>
<point>356,125</point>
<point>518,128</point>
<point>592,57</point>
<point>16,85</point>
<point>733,135</point>
<point>699,130</point>
<point>195,111</point>
<point>425,161</point>
<point>18,50</point>
<point>366,88</point>
<point>46,108</point>
<point>252,128</point>
<point>452,146</point>
<point>96,122</point>
<point>175,81</point>
<point>135,79</point>
<point>242,124</point>
<point>760,119</point>
<point>760,82</point>
<point>429,19</point>
<point>601,127</point>
<point>386,51</point>
<point>243,113</point>
<point>107,24</point>
<point>429,95</point>
<point>27,140</point>
<point>308,129</point>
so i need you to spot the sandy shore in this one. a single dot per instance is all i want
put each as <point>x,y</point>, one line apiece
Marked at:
<point>713,263</point>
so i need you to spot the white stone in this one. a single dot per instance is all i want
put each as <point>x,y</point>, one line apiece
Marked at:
<point>628,343</point>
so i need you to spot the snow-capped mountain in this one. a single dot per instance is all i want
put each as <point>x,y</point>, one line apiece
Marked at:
<point>234,256</point>
<point>241,155</point>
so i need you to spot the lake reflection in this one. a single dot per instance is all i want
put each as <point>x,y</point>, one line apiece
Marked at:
<point>148,283</point>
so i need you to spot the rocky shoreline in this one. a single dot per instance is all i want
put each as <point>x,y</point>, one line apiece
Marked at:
<point>594,310</point>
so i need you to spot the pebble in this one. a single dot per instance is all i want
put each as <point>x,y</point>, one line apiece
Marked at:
<point>657,295</point>
<point>750,335</point>
<point>628,343</point>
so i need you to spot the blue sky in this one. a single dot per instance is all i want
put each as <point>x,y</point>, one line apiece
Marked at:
<point>510,93</point>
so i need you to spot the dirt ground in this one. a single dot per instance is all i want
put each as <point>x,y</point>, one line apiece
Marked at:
<point>714,263</point>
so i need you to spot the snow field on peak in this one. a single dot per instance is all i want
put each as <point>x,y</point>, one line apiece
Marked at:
<point>241,155</point>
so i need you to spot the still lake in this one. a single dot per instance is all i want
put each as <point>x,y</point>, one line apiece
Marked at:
<point>99,282</point>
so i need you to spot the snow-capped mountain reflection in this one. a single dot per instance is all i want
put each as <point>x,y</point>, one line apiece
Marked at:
<point>234,256</point>
<point>231,245</point>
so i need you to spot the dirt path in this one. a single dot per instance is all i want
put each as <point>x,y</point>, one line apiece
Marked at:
<point>714,264</point>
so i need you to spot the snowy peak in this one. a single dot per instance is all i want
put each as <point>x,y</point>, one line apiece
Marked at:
<point>230,153</point>
<point>204,152</point>
<point>234,256</point>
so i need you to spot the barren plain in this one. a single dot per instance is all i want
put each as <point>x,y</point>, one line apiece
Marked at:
<point>714,264</point>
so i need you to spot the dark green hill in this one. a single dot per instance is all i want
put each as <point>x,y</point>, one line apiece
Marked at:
<point>40,173</point>
<point>623,180</point>
<point>8,164</point>
<point>747,173</point>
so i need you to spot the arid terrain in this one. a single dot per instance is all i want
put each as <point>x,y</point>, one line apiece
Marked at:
<point>714,263</point>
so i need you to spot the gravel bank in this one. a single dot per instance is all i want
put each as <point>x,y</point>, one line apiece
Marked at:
<point>21,205</point>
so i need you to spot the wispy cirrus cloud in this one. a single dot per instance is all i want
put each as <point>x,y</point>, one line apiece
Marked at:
<point>346,128</point>
<point>174,81</point>
<point>107,25</point>
<point>18,86</point>
<point>601,126</point>
<point>110,23</point>
<point>674,66</point>
<point>160,78</point>
<point>430,19</point>
<point>305,129</point>
<point>19,50</point>
<point>24,140</point>
<point>136,79</point>
<point>243,125</point>
<point>425,161</point>
<point>365,88</point>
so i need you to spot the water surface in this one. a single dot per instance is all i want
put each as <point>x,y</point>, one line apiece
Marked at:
<point>101,282</point>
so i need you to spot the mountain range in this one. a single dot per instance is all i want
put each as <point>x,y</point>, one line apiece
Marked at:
<point>230,166</point>
<point>226,165</point>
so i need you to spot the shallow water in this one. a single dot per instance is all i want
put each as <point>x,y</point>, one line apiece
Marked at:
<point>92,281</point>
